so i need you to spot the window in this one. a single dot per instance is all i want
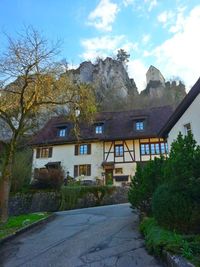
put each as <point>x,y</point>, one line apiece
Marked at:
<point>155,149</point>
<point>139,125</point>
<point>84,149</point>
<point>118,170</point>
<point>144,148</point>
<point>82,170</point>
<point>119,151</point>
<point>187,128</point>
<point>164,148</point>
<point>99,129</point>
<point>44,152</point>
<point>121,178</point>
<point>62,132</point>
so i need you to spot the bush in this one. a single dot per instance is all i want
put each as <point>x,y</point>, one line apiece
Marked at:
<point>158,239</point>
<point>48,179</point>
<point>176,209</point>
<point>71,194</point>
<point>21,173</point>
<point>144,183</point>
<point>183,162</point>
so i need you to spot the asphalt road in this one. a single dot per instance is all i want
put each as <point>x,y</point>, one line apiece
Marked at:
<point>93,237</point>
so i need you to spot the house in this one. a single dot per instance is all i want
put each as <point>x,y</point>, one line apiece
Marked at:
<point>109,149</point>
<point>186,117</point>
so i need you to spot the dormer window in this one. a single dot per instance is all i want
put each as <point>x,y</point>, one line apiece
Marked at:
<point>139,125</point>
<point>99,128</point>
<point>62,132</point>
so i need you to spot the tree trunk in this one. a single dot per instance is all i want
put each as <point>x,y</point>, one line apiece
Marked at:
<point>4,200</point>
<point>5,183</point>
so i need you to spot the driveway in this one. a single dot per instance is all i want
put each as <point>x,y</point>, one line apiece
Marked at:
<point>93,237</point>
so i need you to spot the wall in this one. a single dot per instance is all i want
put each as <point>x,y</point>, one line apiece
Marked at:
<point>50,201</point>
<point>65,154</point>
<point>100,152</point>
<point>192,116</point>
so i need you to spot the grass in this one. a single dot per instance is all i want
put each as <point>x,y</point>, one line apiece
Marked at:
<point>18,222</point>
<point>158,239</point>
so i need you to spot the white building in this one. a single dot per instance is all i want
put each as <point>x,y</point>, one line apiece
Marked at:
<point>186,118</point>
<point>108,149</point>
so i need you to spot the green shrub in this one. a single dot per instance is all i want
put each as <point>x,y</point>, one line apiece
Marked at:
<point>71,194</point>
<point>144,183</point>
<point>176,209</point>
<point>48,179</point>
<point>183,163</point>
<point>21,173</point>
<point>69,197</point>
<point>158,239</point>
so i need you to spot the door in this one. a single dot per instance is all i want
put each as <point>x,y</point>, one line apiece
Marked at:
<point>109,177</point>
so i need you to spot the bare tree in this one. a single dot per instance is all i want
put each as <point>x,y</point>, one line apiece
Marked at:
<point>30,82</point>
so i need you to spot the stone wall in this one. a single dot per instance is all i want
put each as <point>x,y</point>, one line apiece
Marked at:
<point>22,203</point>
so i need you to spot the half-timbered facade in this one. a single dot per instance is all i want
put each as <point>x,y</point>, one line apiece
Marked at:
<point>109,149</point>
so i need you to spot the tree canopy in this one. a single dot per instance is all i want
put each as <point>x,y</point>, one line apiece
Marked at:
<point>32,83</point>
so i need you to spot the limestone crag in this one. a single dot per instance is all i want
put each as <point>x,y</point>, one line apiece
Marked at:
<point>114,89</point>
<point>107,76</point>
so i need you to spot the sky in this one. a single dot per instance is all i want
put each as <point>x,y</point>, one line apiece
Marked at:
<point>162,33</point>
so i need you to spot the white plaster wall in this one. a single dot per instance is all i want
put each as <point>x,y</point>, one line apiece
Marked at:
<point>192,116</point>
<point>65,154</point>
<point>128,169</point>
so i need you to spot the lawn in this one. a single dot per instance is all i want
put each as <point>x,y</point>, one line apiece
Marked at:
<point>18,222</point>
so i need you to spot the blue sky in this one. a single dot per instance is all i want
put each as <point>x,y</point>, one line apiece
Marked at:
<point>165,34</point>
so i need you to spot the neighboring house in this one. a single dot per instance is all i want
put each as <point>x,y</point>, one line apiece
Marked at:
<point>108,149</point>
<point>186,118</point>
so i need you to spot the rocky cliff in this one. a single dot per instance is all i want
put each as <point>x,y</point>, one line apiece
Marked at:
<point>114,89</point>
<point>109,79</point>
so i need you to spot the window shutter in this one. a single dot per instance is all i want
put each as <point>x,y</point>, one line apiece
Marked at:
<point>37,153</point>
<point>75,171</point>
<point>88,170</point>
<point>50,151</point>
<point>76,150</point>
<point>89,148</point>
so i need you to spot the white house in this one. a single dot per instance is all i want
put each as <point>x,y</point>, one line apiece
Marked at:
<point>110,148</point>
<point>186,118</point>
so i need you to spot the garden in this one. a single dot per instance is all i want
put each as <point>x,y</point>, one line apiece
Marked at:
<point>166,192</point>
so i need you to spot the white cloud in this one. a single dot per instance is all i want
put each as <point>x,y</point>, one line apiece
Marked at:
<point>179,55</point>
<point>105,46</point>
<point>166,17</point>
<point>179,21</point>
<point>103,16</point>
<point>128,2</point>
<point>129,46</point>
<point>146,38</point>
<point>141,5</point>
<point>151,4</point>
<point>137,70</point>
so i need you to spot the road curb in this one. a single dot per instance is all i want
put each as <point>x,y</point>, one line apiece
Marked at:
<point>27,228</point>
<point>175,260</point>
